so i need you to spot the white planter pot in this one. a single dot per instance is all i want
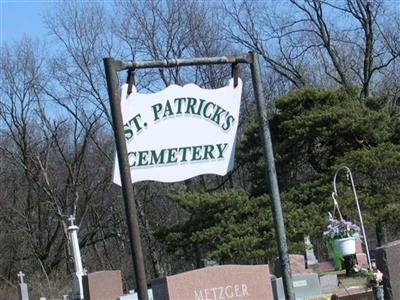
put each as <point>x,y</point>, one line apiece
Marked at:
<point>346,246</point>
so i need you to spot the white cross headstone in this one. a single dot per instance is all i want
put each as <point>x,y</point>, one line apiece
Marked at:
<point>23,292</point>
<point>21,276</point>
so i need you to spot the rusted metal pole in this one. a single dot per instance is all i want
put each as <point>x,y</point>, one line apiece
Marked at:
<point>272,178</point>
<point>127,187</point>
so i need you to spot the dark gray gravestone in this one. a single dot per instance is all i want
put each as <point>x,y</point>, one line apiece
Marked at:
<point>76,292</point>
<point>305,285</point>
<point>387,260</point>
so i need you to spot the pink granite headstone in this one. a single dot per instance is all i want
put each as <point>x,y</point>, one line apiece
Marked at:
<point>216,283</point>
<point>326,266</point>
<point>297,265</point>
<point>359,248</point>
<point>362,259</point>
<point>102,285</point>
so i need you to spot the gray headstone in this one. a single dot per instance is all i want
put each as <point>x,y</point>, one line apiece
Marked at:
<point>387,260</point>
<point>134,296</point>
<point>75,294</point>
<point>310,256</point>
<point>208,263</point>
<point>329,283</point>
<point>305,285</point>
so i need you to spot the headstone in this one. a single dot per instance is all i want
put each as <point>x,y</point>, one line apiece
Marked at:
<point>362,259</point>
<point>297,264</point>
<point>102,285</point>
<point>208,263</point>
<point>134,296</point>
<point>216,283</point>
<point>359,248</point>
<point>387,260</point>
<point>23,292</point>
<point>305,286</point>
<point>329,283</point>
<point>326,266</point>
<point>310,256</point>
<point>76,289</point>
<point>354,294</point>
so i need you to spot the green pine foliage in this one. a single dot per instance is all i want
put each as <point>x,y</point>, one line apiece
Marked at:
<point>378,182</point>
<point>317,130</point>
<point>227,226</point>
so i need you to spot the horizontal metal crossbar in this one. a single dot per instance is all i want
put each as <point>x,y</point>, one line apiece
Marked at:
<point>170,63</point>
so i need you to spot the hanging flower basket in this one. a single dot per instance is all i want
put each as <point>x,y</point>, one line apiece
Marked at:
<point>340,239</point>
<point>346,246</point>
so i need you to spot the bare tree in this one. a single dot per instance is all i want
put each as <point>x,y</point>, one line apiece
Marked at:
<point>302,38</point>
<point>82,31</point>
<point>31,216</point>
<point>51,166</point>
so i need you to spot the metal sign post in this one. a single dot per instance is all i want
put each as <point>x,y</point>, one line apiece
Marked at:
<point>112,67</point>
<point>273,180</point>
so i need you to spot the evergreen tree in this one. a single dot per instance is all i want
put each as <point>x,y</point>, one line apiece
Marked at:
<point>227,226</point>
<point>317,130</point>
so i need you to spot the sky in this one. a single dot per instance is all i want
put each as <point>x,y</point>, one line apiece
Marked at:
<point>19,17</point>
<point>22,17</point>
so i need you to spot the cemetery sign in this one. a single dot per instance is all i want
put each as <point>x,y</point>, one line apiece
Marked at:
<point>130,127</point>
<point>179,132</point>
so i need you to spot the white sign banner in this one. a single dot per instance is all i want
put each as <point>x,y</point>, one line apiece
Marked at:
<point>179,132</point>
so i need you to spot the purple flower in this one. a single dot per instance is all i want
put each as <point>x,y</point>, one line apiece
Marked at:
<point>340,229</point>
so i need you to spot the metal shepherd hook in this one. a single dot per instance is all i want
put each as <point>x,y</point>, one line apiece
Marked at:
<point>350,176</point>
